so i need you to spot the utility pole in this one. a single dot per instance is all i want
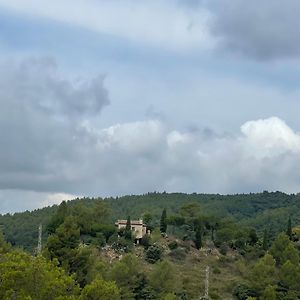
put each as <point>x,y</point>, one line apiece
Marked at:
<point>39,247</point>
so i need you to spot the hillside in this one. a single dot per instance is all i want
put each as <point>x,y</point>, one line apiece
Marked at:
<point>189,246</point>
<point>259,210</point>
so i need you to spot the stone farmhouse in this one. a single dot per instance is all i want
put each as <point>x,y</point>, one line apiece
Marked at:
<point>137,227</point>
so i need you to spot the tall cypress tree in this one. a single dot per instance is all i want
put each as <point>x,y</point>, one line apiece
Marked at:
<point>127,232</point>
<point>198,237</point>
<point>289,228</point>
<point>265,243</point>
<point>163,222</point>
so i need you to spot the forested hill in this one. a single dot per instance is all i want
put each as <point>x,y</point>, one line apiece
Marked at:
<point>267,210</point>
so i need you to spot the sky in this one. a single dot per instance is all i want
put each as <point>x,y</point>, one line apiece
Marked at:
<point>115,97</point>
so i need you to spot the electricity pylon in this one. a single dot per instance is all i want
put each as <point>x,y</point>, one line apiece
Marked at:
<point>39,247</point>
<point>206,283</point>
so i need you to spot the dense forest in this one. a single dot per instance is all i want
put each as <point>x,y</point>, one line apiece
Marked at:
<point>267,210</point>
<point>230,247</point>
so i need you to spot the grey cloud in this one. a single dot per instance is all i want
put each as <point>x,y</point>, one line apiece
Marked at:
<point>264,30</point>
<point>48,149</point>
<point>42,138</point>
<point>36,83</point>
<point>146,156</point>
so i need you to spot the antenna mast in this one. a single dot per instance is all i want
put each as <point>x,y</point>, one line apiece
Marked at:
<point>206,282</point>
<point>39,247</point>
<point>206,294</point>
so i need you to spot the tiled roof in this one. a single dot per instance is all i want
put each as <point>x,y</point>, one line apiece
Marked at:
<point>133,222</point>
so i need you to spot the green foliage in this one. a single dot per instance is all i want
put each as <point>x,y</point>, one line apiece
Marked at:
<point>21,229</point>
<point>146,241</point>
<point>253,238</point>
<point>290,253</point>
<point>142,290</point>
<point>265,243</point>
<point>58,218</point>
<point>64,243</point>
<point>198,237</point>
<point>190,211</point>
<point>125,274</point>
<point>163,279</point>
<point>153,253</point>
<point>86,217</point>
<point>253,210</point>
<point>289,232</point>
<point>82,227</point>
<point>243,292</point>
<point>176,220</point>
<point>107,230</point>
<point>148,219</point>
<point>226,233</point>
<point>127,231</point>
<point>100,289</point>
<point>4,246</point>
<point>282,250</point>
<point>263,273</point>
<point>80,265</point>
<point>290,275</point>
<point>23,275</point>
<point>163,221</point>
<point>269,293</point>
<point>170,296</point>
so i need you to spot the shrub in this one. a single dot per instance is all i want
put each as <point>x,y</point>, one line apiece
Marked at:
<point>243,292</point>
<point>153,254</point>
<point>216,270</point>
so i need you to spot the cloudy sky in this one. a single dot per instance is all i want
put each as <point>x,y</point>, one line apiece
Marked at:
<point>114,97</point>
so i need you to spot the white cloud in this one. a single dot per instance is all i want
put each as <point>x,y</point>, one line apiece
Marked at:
<point>133,137</point>
<point>176,138</point>
<point>156,22</point>
<point>270,137</point>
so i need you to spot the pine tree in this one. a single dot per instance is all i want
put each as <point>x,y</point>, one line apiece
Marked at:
<point>269,293</point>
<point>163,222</point>
<point>289,228</point>
<point>58,218</point>
<point>4,246</point>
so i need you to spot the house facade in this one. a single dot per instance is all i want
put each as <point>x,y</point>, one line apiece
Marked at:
<point>138,228</point>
